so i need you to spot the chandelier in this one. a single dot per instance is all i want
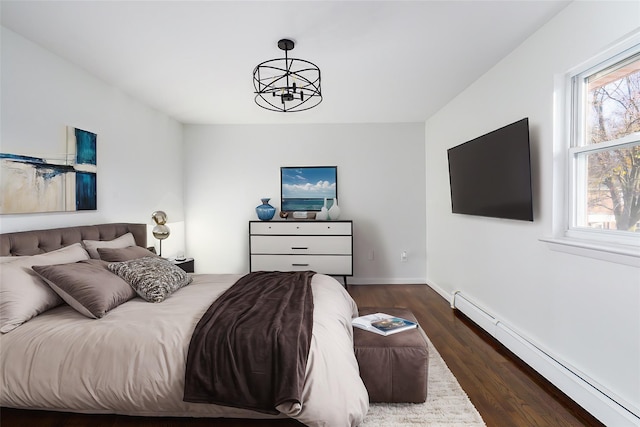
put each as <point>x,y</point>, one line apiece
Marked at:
<point>287,84</point>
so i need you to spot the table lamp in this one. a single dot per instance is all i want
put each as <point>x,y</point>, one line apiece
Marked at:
<point>160,231</point>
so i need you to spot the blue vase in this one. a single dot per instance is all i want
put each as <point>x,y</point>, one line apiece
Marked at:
<point>265,211</point>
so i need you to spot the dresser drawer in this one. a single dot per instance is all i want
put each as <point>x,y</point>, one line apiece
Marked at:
<point>339,265</point>
<point>342,228</point>
<point>332,245</point>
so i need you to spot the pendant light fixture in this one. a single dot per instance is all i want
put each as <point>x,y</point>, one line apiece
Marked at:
<point>287,84</point>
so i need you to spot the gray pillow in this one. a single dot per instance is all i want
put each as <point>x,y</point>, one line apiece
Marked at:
<point>121,242</point>
<point>87,286</point>
<point>23,294</point>
<point>153,278</point>
<point>124,254</point>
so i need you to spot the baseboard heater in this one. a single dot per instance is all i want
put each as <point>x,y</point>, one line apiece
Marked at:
<point>583,390</point>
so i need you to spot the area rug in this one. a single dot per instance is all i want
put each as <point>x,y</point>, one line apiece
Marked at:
<point>447,404</point>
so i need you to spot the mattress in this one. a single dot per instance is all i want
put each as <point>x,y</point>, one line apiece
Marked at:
<point>132,360</point>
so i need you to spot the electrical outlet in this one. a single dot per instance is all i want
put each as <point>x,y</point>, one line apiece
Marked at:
<point>371,255</point>
<point>403,256</point>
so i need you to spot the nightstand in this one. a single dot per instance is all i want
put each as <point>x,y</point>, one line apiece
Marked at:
<point>186,264</point>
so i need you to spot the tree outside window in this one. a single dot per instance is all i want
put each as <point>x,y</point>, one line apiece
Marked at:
<point>606,147</point>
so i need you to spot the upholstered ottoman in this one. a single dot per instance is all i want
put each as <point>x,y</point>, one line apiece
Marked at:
<point>394,368</point>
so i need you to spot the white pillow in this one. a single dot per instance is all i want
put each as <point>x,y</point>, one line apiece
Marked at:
<point>23,294</point>
<point>121,242</point>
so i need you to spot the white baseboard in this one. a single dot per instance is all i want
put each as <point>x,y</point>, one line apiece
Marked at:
<point>593,397</point>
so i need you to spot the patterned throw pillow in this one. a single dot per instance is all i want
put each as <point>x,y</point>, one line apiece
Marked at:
<point>153,278</point>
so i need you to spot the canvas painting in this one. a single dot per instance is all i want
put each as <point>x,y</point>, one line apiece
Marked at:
<point>305,188</point>
<point>59,182</point>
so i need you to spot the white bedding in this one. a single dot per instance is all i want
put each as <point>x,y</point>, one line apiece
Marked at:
<point>132,361</point>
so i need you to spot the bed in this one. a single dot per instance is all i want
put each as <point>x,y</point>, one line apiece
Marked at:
<point>131,360</point>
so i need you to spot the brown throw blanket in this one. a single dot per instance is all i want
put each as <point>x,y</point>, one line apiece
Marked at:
<point>249,350</point>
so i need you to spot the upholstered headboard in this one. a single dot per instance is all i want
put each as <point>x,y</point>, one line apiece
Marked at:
<point>35,242</point>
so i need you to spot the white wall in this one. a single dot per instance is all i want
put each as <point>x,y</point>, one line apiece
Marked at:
<point>381,187</point>
<point>580,310</point>
<point>139,149</point>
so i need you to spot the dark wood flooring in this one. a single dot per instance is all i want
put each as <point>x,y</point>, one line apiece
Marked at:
<point>505,391</point>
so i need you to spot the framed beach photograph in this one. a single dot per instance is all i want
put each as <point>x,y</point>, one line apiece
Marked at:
<point>304,188</point>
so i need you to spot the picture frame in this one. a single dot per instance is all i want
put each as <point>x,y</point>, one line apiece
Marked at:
<point>305,188</point>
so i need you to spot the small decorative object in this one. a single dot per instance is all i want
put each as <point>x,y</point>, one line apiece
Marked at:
<point>160,231</point>
<point>284,215</point>
<point>265,211</point>
<point>334,212</point>
<point>323,215</point>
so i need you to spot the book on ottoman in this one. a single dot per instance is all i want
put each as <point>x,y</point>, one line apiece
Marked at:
<point>383,324</point>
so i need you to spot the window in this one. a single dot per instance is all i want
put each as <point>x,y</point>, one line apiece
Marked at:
<point>596,203</point>
<point>604,156</point>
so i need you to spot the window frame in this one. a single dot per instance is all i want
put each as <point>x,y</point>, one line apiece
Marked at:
<point>569,120</point>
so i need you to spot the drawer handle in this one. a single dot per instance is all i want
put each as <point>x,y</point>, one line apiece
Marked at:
<point>299,248</point>
<point>300,265</point>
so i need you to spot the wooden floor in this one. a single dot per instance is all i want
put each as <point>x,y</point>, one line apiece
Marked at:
<point>504,390</point>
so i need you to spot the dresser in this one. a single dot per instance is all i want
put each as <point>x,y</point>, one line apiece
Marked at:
<point>321,246</point>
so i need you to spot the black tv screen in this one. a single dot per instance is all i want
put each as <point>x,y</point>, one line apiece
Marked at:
<point>305,188</point>
<point>491,175</point>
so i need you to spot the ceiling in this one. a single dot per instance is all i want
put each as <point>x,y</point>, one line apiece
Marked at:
<point>381,61</point>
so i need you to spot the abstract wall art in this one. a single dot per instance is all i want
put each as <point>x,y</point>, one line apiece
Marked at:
<point>57,182</point>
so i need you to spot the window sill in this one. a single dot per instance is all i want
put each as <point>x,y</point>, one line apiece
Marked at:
<point>621,254</point>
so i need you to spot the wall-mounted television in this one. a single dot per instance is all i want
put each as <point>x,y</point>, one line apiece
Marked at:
<point>491,175</point>
<point>304,188</point>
